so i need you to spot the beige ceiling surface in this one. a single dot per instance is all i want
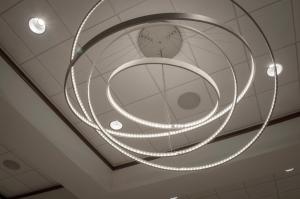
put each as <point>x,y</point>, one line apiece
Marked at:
<point>25,179</point>
<point>44,58</point>
<point>273,186</point>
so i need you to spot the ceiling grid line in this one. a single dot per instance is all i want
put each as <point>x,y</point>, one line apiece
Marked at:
<point>276,187</point>
<point>126,105</point>
<point>36,58</point>
<point>295,38</point>
<point>193,55</point>
<point>248,61</point>
<point>11,7</point>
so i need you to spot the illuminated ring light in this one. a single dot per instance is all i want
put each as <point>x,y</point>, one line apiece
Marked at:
<point>148,19</point>
<point>170,62</point>
<point>199,123</point>
<point>174,63</point>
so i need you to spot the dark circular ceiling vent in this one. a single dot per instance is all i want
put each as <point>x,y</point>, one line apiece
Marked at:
<point>11,164</point>
<point>189,100</point>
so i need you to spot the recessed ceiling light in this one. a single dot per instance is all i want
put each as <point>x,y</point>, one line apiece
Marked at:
<point>289,170</point>
<point>175,197</point>
<point>37,25</point>
<point>116,125</point>
<point>271,69</point>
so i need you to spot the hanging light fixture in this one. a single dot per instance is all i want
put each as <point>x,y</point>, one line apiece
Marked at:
<point>110,135</point>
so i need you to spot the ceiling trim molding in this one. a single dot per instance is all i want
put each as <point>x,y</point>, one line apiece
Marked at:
<point>33,193</point>
<point>27,80</point>
<point>40,191</point>
<point>14,66</point>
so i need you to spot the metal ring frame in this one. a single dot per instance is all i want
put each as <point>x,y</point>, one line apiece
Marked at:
<point>123,148</point>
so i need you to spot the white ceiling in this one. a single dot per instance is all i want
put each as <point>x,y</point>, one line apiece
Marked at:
<point>44,58</point>
<point>43,141</point>
<point>25,179</point>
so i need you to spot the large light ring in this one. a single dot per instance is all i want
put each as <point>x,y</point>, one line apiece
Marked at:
<point>117,28</point>
<point>181,168</point>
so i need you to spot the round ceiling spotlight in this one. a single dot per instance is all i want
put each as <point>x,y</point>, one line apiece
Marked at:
<point>160,40</point>
<point>189,100</point>
<point>37,25</point>
<point>116,125</point>
<point>11,164</point>
<point>271,69</point>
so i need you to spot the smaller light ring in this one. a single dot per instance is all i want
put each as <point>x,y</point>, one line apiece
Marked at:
<point>165,61</point>
<point>117,144</point>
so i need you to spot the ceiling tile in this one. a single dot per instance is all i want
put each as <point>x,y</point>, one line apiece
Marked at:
<point>288,184</point>
<point>293,194</point>
<point>146,8</point>
<point>7,4</point>
<point>279,32</point>
<point>19,16</point>
<point>89,33</point>
<point>296,6</point>
<point>77,10</point>
<point>262,190</point>
<point>3,175</point>
<point>33,180</point>
<point>230,188</point>
<point>11,187</point>
<point>9,156</point>
<point>141,144</point>
<point>133,84</point>
<point>203,132</point>
<point>253,5</point>
<point>219,10</point>
<point>245,115</point>
<point>98,95</point>
<point>57,60</point>
<point>112,154</point>
<point>259,180</point>
<point>169,143</point>
<point>121,5</point>
<point>288,100</point>
<point>173,76</point>
<point>287,57</point>
<point>197,87</point>
<point>152,108</point>
<point>205,194</point>
<point>12,44</point>
<point>224,80</point>
<point>2,149</point>
<point>115,55</point>
<point>61,103</point>
<point>209,57</point>
<point>232,47</point>
<point>90,134</point>
<point>234,195</point>
<point>41,77</point>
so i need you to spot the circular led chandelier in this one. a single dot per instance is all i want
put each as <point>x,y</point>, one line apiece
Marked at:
<point>88,116</point>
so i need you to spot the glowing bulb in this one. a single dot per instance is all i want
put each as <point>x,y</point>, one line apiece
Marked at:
<point>37,25</point>
<point>271,69</point>
<point>116,125</point>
